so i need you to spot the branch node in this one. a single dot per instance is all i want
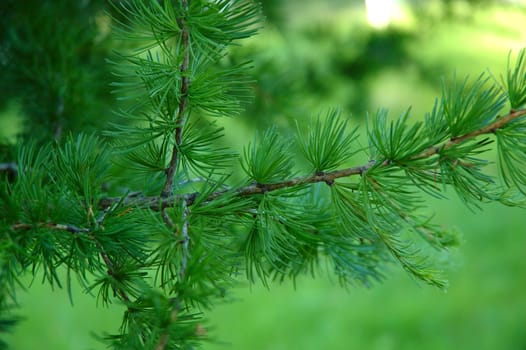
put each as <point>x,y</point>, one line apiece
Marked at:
<point>264,188</point>
<point>329,182</point>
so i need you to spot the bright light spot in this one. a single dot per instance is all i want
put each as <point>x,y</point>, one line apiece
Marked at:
<point>379,12</point>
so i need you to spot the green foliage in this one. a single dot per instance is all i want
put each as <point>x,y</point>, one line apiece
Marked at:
<point>461,169</point>
<point>6,323</point>
<point>268,159</point>
<point>395,141</point>
<point>174,248</point>
<point>327,144</point>
<point>150,318</point>
<point>470,107</point>
<point>516,81</point>
<point>512,154</point>
<point>56,68</point>
<point>84,164</point>
<point>279,243</point>
<point>200,153</point>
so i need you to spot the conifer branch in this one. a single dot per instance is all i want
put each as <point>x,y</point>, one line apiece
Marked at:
<point>111,268</point>
<point>488,129</point>
<point>77,230</point>
<point>155,203</point>
<point>182,113</point>
<point>171,255</point>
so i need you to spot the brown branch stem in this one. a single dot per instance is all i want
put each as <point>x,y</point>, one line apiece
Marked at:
<point>182,116</point>
<point>488,129</point>
<point>156,203</point>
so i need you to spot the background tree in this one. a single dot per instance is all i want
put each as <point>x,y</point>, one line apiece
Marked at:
<point>174,249</point>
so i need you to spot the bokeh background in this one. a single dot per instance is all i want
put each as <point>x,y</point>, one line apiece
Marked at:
<point>358,56</point>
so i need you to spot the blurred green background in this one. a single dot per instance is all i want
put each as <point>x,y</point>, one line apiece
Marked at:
<point>312,55</point>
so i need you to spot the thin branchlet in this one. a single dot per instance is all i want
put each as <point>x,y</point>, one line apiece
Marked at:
<point>59,227</point>
<point>488,129</point>
<point>77,230</point>
<point>111,268</point>
<point>185,241</point>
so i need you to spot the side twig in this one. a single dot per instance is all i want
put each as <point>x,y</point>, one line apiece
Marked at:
<point>59,227</point>
<point>77,230</point>
<point>185,241</point>
<point>488,129</point>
